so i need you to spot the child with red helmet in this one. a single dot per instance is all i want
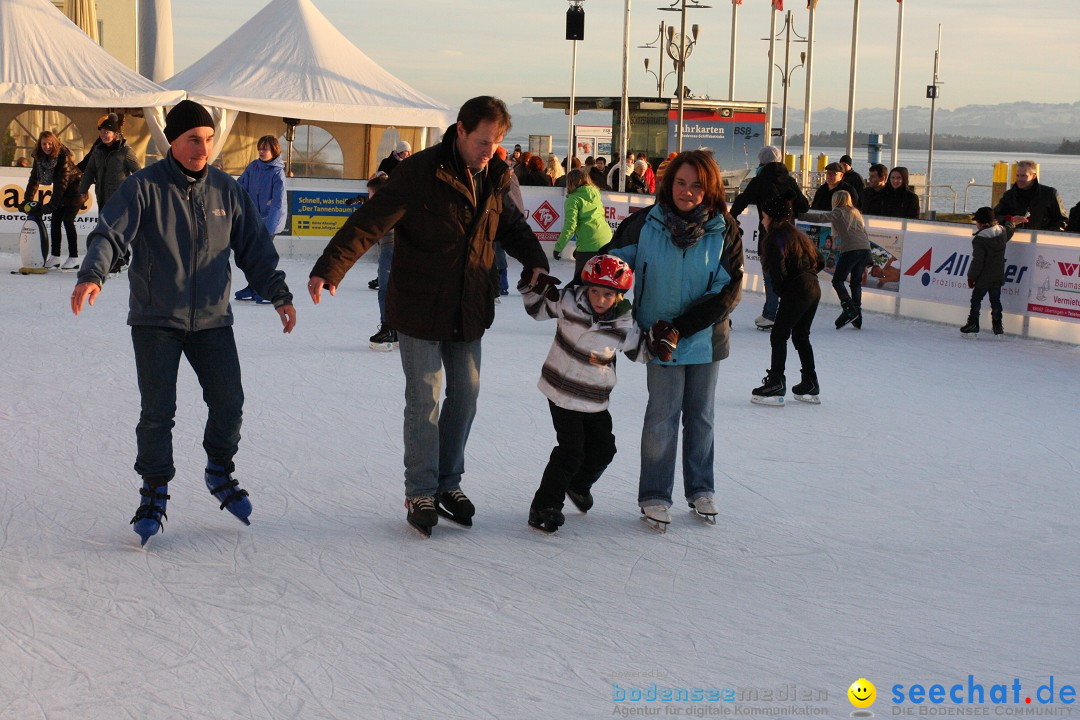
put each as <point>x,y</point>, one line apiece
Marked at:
<point>594,322</point>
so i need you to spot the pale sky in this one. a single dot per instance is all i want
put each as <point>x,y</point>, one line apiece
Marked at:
<point>993,51</point>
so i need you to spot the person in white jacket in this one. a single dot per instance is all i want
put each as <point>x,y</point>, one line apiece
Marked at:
<point>594,323</point>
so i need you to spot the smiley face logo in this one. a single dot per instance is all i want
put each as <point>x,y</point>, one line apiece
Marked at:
<point>862,693</point>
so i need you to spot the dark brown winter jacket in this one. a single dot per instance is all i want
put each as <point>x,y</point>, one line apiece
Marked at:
<point>65,184</point>
<point>443,281</point>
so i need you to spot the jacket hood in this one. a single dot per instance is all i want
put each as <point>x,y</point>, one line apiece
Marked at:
<point>993,233</point>
<point>277,162</point>
<point>773,170</point>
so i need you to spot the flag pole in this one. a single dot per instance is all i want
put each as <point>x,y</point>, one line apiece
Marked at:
<point>896,90</point>
<point>809,87</point>
<point>624,125</point>
<point>772,68</point>
<point>851,81</point>
<point>734,25</point>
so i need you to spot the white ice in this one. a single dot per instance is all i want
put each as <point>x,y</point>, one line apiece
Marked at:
<point>919,526</point>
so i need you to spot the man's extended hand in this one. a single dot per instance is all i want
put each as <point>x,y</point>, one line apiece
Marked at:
<point>83,291</point>
<point>287,313</point>
<point>315,285</point>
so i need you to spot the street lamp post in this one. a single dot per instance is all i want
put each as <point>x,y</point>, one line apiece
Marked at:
<point>657,43</point>
<point>785,74</point>
<point>575,30</point>
<point>680,54</point>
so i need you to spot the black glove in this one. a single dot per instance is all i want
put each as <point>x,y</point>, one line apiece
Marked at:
<point>663,339</point>
<point>971,283</point>
<point>547,286</point>
<point>556,254</point>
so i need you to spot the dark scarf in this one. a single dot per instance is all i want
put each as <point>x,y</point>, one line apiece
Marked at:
<point>46,168</point>
<point>686,228</point>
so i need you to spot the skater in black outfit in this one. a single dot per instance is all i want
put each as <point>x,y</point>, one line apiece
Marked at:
<point>793,261</point>
<point>986,276</point>
<point>53,165</point>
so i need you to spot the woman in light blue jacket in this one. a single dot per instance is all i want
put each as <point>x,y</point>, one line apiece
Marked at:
<point>264,181</point>
<point>680,275</point>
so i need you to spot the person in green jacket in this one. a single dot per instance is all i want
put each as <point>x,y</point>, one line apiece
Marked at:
<point>583,216</point>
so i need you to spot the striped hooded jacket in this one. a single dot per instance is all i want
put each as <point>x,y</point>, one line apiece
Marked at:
<point>579,372</point>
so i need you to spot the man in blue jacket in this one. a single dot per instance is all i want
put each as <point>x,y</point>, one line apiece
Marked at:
<point>183,219</point>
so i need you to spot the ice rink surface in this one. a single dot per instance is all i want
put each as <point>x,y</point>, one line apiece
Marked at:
<point>919,526</point>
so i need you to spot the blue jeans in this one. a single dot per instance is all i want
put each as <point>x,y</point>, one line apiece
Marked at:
<point>677,390</point>
<point>849,268</point>
<point>386,256</point>
<point>212,355</point>
<point>435,440</point>
<point>772,300</point>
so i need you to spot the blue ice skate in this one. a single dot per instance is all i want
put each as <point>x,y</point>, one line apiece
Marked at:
<point>225,488</point>
<point>151,510</point>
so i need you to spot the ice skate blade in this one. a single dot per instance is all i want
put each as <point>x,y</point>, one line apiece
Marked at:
<point>544,527</point>
<point>660,527</point>
<point>382,347</point>
<point>767,401</point>
<point>443,512</point>
<point>809,399</point>
<point>423,530</point>
<point>970,336</point>
<point>707,519</point>
<point>763,328</point>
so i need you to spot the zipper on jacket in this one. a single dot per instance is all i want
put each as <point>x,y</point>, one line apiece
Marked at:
<point>639,301</point>
<point>194,252</point>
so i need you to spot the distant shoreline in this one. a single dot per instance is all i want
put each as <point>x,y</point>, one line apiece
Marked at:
<point>921,141</point>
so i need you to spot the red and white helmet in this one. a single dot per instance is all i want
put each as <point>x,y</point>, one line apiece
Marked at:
<point>608,271</point>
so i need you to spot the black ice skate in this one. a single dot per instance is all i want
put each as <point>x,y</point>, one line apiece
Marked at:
<point>846,315</point>
<point>971,329</point>
<point>546,519</point>
<point>583,501</point>
<point>454,505</point>
<point>807,391</point>
<point>422,515</point>
<point>771,391</point>
<point>385,340</point>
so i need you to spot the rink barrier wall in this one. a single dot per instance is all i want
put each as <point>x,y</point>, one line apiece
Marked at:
<point>1042,282</point>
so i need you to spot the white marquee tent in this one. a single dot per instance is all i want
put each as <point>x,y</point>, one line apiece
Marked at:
<point>47,61</point>
<point>290,61</point>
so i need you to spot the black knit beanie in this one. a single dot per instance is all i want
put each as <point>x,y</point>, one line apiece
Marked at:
<point>778,207</point>
<point>110,122</point>
<point>185,116</point>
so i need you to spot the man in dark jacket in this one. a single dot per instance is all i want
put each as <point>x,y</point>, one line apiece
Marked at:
<point>870,202</point>
<point>448,205</point>
<point>1040,204</point>
<point>834,182</point>
<point>772,179</point>
<point>851,177</point>
<point>185,219</point>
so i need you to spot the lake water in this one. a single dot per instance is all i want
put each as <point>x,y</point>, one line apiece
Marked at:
<point>953,168</point>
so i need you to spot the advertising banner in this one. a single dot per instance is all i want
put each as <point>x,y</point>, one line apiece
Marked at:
<point>935,267</point>
<point>735,138</point>
<point>1055,282</point>
<point>319,212</point>
<point>544,209</point>
<point>12,185</point>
